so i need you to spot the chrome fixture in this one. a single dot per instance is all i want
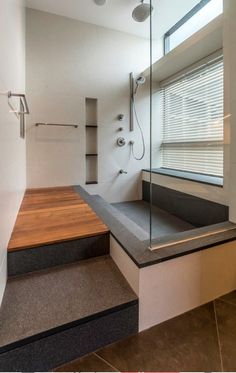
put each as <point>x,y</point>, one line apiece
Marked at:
<point>20,114</point>
<point>131,84</point>
<point>57,124</point>
<point>142,12</point>
<point>100,2</point>
<point>120,117</point>
<point>24,101</point>
<point>140,80</point>
<point>123,172</point>
<point>121,141</point>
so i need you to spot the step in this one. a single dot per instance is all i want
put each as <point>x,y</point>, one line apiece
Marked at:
<point>37,258</point>
<point>57,315</point>
<point>54,226</point>
<point>52,215</point>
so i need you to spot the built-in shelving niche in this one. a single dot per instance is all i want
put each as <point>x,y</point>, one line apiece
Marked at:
<point>91,141</point>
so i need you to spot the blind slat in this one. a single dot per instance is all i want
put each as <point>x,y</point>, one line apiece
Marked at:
<point>192,119</point>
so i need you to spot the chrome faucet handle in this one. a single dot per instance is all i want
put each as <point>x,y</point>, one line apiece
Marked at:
<point>123,172</point>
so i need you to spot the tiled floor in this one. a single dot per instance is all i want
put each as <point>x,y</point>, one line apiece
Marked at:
<point>200,340</point>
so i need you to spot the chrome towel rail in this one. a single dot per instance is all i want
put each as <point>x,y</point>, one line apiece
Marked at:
<point>23,98</point>
<point>57,124</point>
<point>23,108</point>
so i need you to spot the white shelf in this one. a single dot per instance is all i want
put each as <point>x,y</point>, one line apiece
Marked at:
<point>203,43</point>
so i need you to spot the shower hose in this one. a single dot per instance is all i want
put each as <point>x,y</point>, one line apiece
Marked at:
<point>141,131</point>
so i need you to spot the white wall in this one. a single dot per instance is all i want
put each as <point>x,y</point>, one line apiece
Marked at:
<point>66,61</point>
<point>168,13</point>
<point>12,148</point>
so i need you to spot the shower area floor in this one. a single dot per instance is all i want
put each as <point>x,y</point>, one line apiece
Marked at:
<point>163,223</point>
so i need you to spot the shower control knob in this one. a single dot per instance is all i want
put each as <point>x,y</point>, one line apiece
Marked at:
<point>120,117</point>
<point>121,141</point>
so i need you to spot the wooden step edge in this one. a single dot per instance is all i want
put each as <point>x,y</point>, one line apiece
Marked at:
<point>13,248</point>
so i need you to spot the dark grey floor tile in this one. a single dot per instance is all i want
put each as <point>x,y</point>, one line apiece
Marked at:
<point>90,363</point>
<point>226,319</point>
<point>186,343</point>
<point>230,298</point>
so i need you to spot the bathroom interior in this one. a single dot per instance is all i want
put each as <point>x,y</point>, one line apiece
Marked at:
<point>118,182</point>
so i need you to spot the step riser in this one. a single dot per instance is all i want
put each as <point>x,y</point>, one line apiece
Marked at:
<point>50,352</point>
<point>35,259</point>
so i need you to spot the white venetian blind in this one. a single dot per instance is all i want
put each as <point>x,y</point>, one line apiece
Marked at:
<point>192,118</point>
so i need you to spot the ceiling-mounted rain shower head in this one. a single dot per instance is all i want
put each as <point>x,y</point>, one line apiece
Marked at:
<point>100,2</point>
<point>142,12</point>
<point>139,81</point>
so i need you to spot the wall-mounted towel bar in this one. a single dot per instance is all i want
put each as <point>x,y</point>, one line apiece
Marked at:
<point>23,99</point>
<point>57,124</point>
<point>23,108</point>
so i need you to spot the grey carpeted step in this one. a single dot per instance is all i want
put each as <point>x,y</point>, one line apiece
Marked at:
<point>54,316</point>
<point>37,258</point>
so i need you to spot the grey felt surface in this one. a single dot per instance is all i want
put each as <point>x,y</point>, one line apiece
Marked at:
<point>126,219</point>
<point>43,355</point>
<point>38,258</point>
<point>139,250</point>
<point>163,223</point>
<point>39,302</point>
<point>197,211</point>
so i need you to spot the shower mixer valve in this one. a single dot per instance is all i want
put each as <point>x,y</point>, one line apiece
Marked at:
<point>121,141</point>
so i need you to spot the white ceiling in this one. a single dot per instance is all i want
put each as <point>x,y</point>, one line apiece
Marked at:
<point>116,14</point>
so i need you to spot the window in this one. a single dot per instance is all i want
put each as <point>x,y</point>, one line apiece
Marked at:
<point>192,119</point>
<point>198,17</point>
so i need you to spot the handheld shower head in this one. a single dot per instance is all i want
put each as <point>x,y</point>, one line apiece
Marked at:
<point>142,12</point>
<point>139,81</point>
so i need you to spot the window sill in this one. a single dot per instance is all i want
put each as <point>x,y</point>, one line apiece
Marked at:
<point>191,176</point>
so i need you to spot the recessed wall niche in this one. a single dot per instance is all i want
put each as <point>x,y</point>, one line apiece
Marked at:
<point>91,141</point>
